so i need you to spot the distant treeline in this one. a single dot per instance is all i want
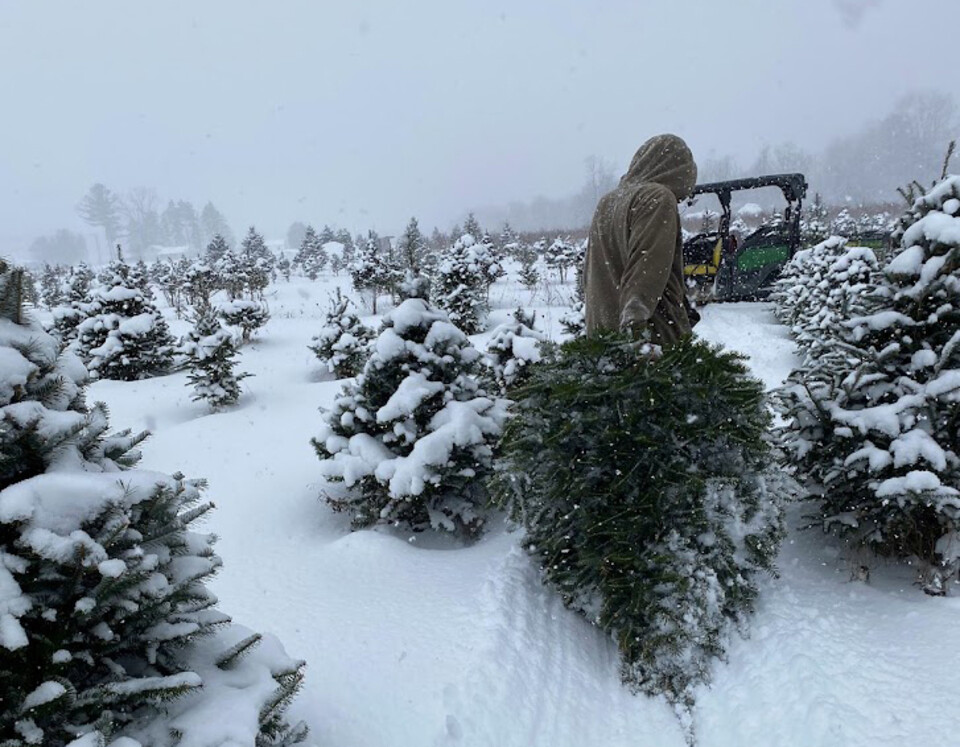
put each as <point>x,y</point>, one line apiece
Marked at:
<point>861,170</point>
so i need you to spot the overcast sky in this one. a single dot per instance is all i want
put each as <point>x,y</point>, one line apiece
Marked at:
<point>365,113</point>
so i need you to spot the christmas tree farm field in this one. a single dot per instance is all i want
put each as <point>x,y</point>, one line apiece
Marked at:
<point>416,639</point>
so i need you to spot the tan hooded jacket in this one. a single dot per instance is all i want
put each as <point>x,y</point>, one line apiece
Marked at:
<point>633,273</point>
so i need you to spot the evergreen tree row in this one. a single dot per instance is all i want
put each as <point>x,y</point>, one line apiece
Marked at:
<point>873,411</point>
<point>108,632</point>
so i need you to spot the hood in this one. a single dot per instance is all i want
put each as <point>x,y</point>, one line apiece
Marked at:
<point>666,160</point>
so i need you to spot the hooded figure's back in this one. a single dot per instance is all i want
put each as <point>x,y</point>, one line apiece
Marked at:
<point>633,274</point>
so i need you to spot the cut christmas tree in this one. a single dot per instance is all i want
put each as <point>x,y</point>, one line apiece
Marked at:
<point>643,488</point>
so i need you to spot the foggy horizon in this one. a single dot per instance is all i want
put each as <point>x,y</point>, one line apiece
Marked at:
<point>366,115</point>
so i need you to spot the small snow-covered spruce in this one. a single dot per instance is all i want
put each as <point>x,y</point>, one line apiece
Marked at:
<point>814,222</point>
<point>843,294</point>
<point>343,345</point>
<point>413,250</point>
<point>574,321</point>
<point>217,247</point>
<point>513,349</point>
<point>249,316</point>
<point>800,289</point>
<point>877,434</point>
<point>107,628</point>
<point>257,263</point>
<point>370,270</point>
<point>460,284</point>
<point>140,278</point>
<point>470,226</point>
<point>529,275</point>
<point>561,255</point>
<point>232,271</point>
<point>843,224</point>
<point>510,243</point>
<point>414,286</point>
<point>79,281</point>
<point>488,259</point>
<point>51,285</point>
<point>124,336</point>
<point>412,438</point>
<point>311,257</point>
<point>211,352</point>
<point>199,285</point>
<point>77,306</point>
<point>642,488</point>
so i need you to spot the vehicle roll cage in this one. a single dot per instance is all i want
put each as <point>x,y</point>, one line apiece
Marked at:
<point>793,186</point>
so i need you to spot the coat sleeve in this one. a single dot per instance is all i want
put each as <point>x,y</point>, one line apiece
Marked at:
<point>651,244</point>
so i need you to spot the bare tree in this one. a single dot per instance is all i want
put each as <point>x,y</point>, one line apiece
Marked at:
<point>101,208</point>
<point>142,219</point>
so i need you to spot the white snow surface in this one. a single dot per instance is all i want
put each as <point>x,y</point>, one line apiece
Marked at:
<point>415,640</point>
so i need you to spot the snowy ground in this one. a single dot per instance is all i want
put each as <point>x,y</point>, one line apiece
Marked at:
<point>414,642</point>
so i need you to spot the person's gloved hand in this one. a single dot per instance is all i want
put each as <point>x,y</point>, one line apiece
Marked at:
<point>642,333</point>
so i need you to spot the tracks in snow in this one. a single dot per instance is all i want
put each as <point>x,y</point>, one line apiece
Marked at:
<point>544,677</point>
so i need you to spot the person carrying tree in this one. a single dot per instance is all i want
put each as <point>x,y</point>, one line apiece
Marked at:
<point>633,271</point>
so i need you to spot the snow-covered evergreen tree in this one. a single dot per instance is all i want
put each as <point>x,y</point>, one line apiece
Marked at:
<point>199,285</point>
<point>232,273</point>
<point>529,275</point>
<point>875,431</point>
<point>254,245</point>
<point>801,288</point>
<point>512,351</point>
<point>843,224</point>
<point>211,357</point>
<point>574,320</point>
<point>412,438</point>
<point>486,258</point>
<point>140,278</point>
<point>257,274</point>
<point>79,281</point>
<point>311,257</point>
<point>327,234</point>
<point>249,316</point>
<point>472,227</point>
<point>842,295</point>
<point>814,224</point>
<point>510,242</point>
<point>217,247</point>
<point>124,336</point>
<point>641,485</point>
<point>257,262</point>
<point>343,345</point>
<point>76,307</point>
<point>459,286</point>
<point>107,629</point>
<point>412,249</point>
<point>562,255</point>
<point>414,285</point>
<point>51,285</point>
<point>370,270</point>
